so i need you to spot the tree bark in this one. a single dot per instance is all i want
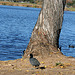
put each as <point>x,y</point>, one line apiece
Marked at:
<point>46,32</point>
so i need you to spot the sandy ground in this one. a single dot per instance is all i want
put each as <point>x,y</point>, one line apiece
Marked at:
<point>23,66</point>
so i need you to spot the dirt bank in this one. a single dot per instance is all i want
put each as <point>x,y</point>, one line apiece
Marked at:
<point>55,64</point>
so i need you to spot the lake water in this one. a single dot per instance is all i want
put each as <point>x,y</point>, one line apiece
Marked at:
<point>67,35</point>
<point>16,26</point>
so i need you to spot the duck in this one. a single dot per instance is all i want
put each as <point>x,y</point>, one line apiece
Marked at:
<point>34,61</point>
<point>23,52</point>
<point>71,46</point>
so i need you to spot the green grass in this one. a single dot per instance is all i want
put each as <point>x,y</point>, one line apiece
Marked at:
<point>59,64</point>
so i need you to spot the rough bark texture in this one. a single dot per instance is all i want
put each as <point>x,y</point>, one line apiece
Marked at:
<point>46,32</point>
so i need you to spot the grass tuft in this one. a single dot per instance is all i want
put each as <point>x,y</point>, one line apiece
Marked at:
<point>59,64</point>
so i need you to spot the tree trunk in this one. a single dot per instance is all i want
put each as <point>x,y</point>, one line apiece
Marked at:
<point>46,32</point>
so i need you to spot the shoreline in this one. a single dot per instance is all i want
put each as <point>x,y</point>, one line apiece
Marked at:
<point>30,5</point>
<point>20,4</point>
<point>69,9</point>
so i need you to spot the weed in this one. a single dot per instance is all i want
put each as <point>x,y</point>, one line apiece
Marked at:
<point>59,64</point>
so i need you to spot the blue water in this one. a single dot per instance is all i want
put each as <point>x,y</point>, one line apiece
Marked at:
<point>16,26</point>
<point>67,35</point>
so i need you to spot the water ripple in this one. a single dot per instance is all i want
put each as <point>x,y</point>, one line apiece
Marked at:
<point>16,26</point>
